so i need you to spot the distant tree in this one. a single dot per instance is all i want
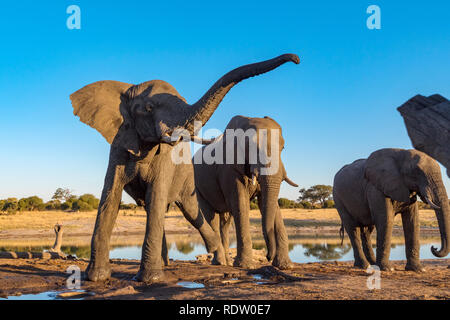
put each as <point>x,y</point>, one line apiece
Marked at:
<point>317,194</point>
<point>79,205</point>
<point>254,204</point>
<point>33,203</point>
<point>127,206</point>
<point>68,204</point>
<point>90,199</point>
<point>53,205</point>
<point>328,204</point>
<point>284,203</point>
<point>306,205</point>
<point>2,205</point>
<point>62,195</point>
<point>11,205</point>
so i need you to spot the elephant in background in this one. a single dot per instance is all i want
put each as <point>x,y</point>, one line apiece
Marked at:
<point>139,121</point>
<point>369,192</point>
<point>225,190</point>
<point>427,120</point>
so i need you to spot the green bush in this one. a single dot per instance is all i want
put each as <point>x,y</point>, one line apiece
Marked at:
<point>80,205</point>
<point>254,204</point>
<point>284,203</point>
<point>306,204</point>
<point>128,206</point>
<point>328,204</point>
<point>90,199</point>
<point>53,205</point>
<point>33,203</point>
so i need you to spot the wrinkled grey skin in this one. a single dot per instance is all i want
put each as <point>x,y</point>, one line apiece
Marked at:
<point>225,189</point>
<point>138,121</point>
<point>427,120</point>
<point>369,192</point>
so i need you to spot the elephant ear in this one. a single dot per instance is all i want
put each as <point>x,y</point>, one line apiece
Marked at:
<point>383,171</point>
<point>102,106</point>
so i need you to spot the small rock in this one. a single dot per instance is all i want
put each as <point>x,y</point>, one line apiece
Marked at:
<point>120,292</point>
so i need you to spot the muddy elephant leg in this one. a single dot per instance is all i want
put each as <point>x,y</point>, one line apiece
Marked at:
<point>225,222</point>
<point>190,207</point>
<point>99,268</point>
<point>411,229</point>
<point>281,260</point>
<point>366,237</point>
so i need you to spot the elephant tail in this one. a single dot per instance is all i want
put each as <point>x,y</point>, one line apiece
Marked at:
<point>341,234</point>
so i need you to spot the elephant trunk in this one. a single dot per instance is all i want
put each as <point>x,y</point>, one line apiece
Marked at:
<point>269,206</point>
<point>440,202</point>
<point>203,109</point>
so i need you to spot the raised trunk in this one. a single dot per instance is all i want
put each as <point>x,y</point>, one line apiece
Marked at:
<point>203,109</point>
<point>440,199</point>
<point>269,206</point>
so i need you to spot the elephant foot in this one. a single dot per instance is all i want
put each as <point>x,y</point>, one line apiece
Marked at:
<point>282,263</point>
<point>361,264</point>
<point>97,274</point>
<point>385,267</point>
<point>416,267</point>
<point>150,276</point>
<point>244,263</point>
<point>219,258</point>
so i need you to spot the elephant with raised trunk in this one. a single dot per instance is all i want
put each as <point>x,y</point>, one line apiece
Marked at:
<point>226,188</point>
<point>369,192</point>
<point>138,121</point>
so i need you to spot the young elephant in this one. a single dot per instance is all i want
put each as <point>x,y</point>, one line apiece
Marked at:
<point>228,187</point>
<point>369,192</point>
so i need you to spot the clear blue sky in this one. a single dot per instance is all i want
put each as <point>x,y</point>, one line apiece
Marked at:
<point>338,105</point>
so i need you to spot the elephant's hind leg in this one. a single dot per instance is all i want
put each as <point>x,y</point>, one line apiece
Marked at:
<point>366,237</point>
<point>189,206</point>
<point>354,233</point>
<point>225,222</point>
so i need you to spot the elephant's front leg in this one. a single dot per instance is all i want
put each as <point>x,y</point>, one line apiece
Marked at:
<point>281,260</point>
<point>151,268</point>
<point>383,215</point>
<point>99,268</point>
<point>411,229</point>
<point>240,206</point>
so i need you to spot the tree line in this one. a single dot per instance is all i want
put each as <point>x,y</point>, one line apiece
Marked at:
<point>62,200</point>
<point>316,197</point>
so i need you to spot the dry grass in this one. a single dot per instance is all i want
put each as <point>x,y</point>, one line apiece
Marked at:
<point>134,221</point>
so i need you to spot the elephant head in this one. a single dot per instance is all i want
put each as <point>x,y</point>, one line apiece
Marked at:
<point>403,174</point>
<point>129,116</point>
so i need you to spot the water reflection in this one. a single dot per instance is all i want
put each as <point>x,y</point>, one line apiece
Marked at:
<point>300,250</point>
<point>326,251</point>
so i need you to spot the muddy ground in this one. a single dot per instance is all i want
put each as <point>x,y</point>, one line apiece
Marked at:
<point>326,280</point>
<point>333,280</point>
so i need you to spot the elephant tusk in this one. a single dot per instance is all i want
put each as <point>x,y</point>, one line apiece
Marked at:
<point>205,141</point>
<point>292,183</point>
<point>431,203</point>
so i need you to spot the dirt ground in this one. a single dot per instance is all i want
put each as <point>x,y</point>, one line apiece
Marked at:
<point>326,280</point>
<point>334,280</point>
